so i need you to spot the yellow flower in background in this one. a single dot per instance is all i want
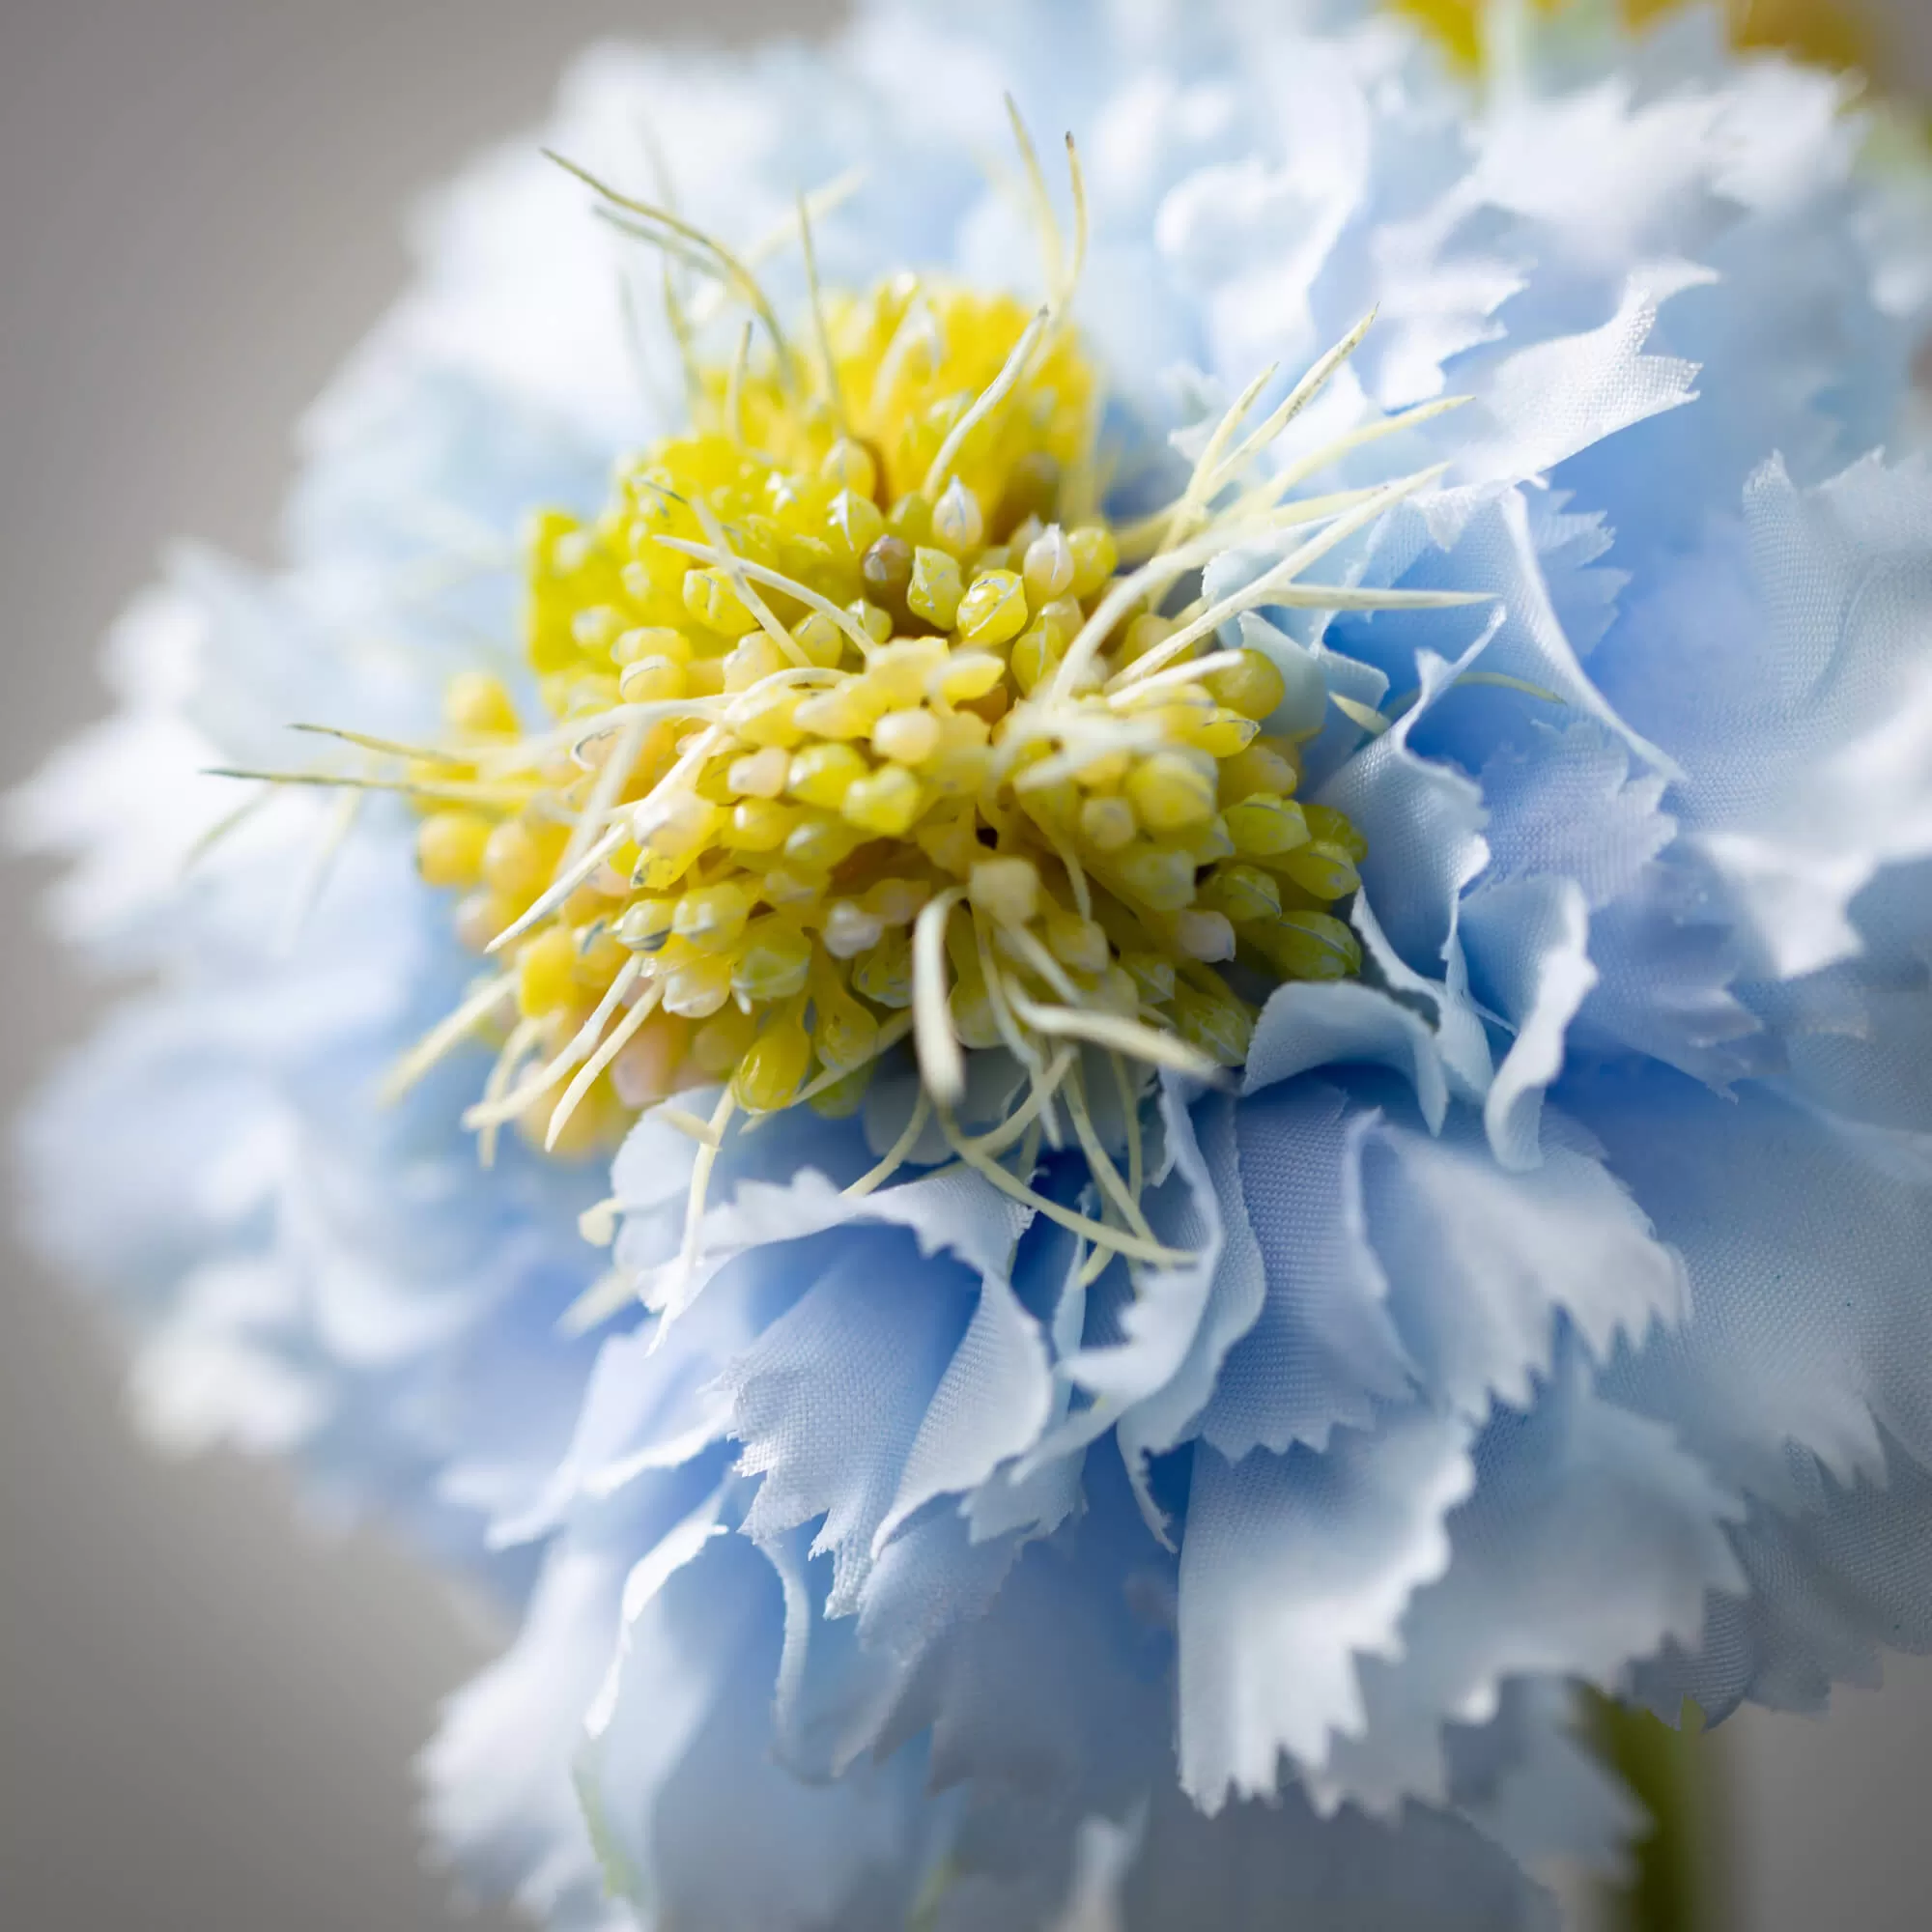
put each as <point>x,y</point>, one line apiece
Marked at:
<point>1827,31</point>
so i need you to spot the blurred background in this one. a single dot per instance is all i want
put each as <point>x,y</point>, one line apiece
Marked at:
<point>207,1705</point>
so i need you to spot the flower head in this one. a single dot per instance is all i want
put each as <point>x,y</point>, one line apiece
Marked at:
<point>1257,977</point>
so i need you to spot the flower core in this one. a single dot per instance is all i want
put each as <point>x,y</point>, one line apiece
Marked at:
<point>855,730</point>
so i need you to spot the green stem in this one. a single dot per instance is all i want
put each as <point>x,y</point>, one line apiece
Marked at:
<point>1675,1884</point>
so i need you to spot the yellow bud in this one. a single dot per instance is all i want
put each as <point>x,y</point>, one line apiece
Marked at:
<point>1103,771</point>
<point>1118,992</point>
<point>849,463</point>
<point>478,705</point>
<point>597,629</point>
<point>1143,635</point>
<point>751,661</point>
<point>1218,1027</point>
<point>546,972</point>
<point>1253,688</point>
<point>883,974</point>
<point>853,524</point>
<point>1258,768</point>
<point>885,803</point>
<point>1308,946</point>
<point>843,1098</point>
<point>652,640</point>
<point>974,1018</point>
<point>774,1067</point>
<point>900,674</point>
<point>1049,566</point>
<point>1202,935</point>
<point>1207,841</point>
<point>698,985</point>
<point>670,833</point>
<point>1244,892</point>
<point>759,774</point>
<point>773,961</point>
<point>895,901</point>
<point>517,861</point>
<point>950,843</point>
<point>969,674</point>
<point>958,521</point>
<point>449,847</point>
<point>1065,617</point>
<point>1153,977</point>
<point>1076,942</point>
<point>819,842</point>
<point>788,884</point>
<point>1107,823</point>
<point>886,571</point>
<point>652,680</point>
<point>875,622</point>
<point>723,1042</point>
<point>1264,825</point>
<point>821,640</point>
<point>1008,889</point>
<point>848,1036</point>
<point>823,774</point>
<point>911,518</point>
<point>907,737</point>
<point>1221,735</point>
<point>961,763</point>
<point>848,710</point>
<point>994,611</point>
<point>1095,558</point>
<point>767,718</point>
<point>600,955</point>
<point>710,918</point>
<point>759,825</point>
<point>1326,823</point>
<point>645,924</point>
<point>850,929</point>
<point>935,590</point>
<point>1039,649</point>
<point>1169,792</point>
<point>1319,867</point>
<point>709,598</point>
<point>1160,877</point>
<point>1056,806</point>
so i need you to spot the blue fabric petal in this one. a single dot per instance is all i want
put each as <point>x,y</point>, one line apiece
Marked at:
<point>1590,1540</point>
<point>1294,1566</point>
<point>1322,1349</point>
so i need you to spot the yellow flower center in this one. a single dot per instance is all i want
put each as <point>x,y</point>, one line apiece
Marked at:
<point>1833,32</point>
<point>854,730</point>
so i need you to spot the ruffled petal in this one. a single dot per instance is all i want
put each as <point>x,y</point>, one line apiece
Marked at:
<point>1805,1246</point>
<point>1486,1267</point>
<point>1294,1567</point>
<point>1321,1350</point>
<point>1590,1540</point>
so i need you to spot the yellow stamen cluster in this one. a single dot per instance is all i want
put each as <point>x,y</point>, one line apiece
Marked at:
<point>1833,32</point>
<point>852,723</point>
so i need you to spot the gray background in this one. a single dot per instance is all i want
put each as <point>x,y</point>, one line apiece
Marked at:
<point>207,1709</point>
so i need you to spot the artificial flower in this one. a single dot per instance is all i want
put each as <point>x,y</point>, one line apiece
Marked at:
<point>1235,845</point>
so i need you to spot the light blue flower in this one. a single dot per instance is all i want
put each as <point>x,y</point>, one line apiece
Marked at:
<point>1554,1305</point>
